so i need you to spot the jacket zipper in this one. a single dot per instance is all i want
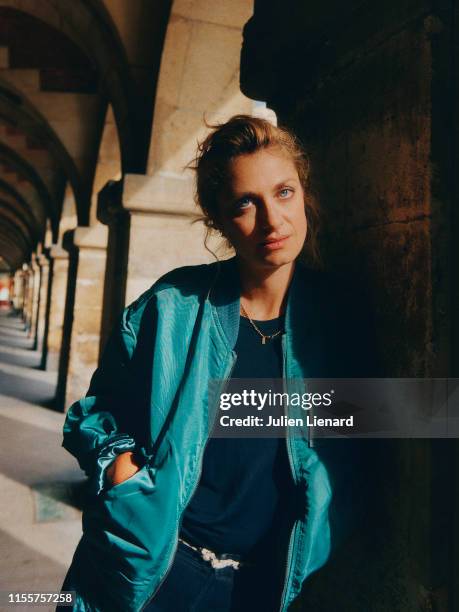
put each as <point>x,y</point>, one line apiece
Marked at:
<point>295,477</point>
<point>226,377</point>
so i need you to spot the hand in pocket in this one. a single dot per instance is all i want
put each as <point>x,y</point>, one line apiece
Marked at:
<point>122,468</point>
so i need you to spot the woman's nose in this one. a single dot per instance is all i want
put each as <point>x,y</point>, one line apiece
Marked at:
<point>270,217</point>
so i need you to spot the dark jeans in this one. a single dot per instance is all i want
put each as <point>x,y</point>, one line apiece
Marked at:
<point>193,585</point>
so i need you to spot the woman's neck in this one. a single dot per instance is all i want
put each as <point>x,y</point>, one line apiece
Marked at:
<point>264,293</point>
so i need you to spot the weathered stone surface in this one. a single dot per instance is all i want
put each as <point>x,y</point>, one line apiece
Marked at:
<point>194,82</point>
<point>215,11</point>
<point>60,268</point>
<point>83,332</point>
<point>372,171</point>
<point>94,237</point>
<point>43,262</point>
<point>109,161</point>
<point>27,81</point>
<point>367,88</point>
<point>28,299</point>
<point>161,192</point>
<point>35,296</point>
<point>19,285</point>
<point>152,253</point>
<point>134,24</point>
<point>68,216</point>
<point>173,64</point>
<point>403,297</point>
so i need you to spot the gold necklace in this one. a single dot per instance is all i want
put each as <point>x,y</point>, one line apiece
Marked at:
<point>264,337</point>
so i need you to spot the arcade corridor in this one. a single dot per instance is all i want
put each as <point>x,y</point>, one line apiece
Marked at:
<point>39,519</point>
<point>102,103</point>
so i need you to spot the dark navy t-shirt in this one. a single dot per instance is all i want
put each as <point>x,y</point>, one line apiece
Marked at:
<point>246,483</point>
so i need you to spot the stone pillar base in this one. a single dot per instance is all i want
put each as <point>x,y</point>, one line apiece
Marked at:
<point>82,344</point>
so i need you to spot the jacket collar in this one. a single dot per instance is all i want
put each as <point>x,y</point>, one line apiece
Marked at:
<point>224,296</point>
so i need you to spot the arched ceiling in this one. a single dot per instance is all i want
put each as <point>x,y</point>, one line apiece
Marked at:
<point>21,217</point>
<point>88,25</point>
<point>51,102</point>
<point>23,208</point>
<point>18,112</point>
<point>26,171</point>
<point>62,62</point>
<point>13,243</point>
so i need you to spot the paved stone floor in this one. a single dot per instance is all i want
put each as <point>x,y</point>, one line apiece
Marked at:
<point>39,522</point>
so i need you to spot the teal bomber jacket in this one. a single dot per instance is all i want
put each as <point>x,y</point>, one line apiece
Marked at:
<point>150,394</point>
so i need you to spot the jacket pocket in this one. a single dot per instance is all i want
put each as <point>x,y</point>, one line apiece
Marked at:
<point>118,531</point>
<point>141,481</point>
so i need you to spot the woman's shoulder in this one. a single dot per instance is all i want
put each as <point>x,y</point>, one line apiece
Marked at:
<point>185,282</point>
<point>186,278</point>
<point>179,290</point>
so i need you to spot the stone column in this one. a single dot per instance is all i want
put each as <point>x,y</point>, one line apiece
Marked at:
<point>43,262</point>
<point>35,298</point>
<point>18,290</point>
<point>59,273</point>
<point>151,232</point>
<point>22,290</point>
<point>162,235</point>
<point>111,213</point>
<point>377,115</point>
<point>28,297</point>
<point>23,293</point>
<point>90,244</point>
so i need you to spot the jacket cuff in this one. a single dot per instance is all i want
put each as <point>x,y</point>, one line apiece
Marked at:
<point>106,454</point>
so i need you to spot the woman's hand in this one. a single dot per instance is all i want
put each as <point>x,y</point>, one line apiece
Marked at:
<point>122,468</point>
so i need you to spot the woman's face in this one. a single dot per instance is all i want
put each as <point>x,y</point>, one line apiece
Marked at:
<point>262,210</point>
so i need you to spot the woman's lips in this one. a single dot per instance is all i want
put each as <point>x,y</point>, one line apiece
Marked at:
<point>273,245</point>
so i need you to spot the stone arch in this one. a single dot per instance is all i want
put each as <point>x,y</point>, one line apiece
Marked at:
<point>10,252</point>
<point>195,83</point>
<point>21,218</point>
<point>12,241</point>
<point>8,192</point>
<point>23,168</point>
<point>10,214</point>
<point>89,25</point>
<point>108,165</point>
<point>16,110</point>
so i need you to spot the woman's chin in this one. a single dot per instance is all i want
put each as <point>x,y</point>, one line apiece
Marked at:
<point>268,260</point>
<point>276,259</point>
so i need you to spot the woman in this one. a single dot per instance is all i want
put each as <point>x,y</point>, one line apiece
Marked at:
<point>179,520</point>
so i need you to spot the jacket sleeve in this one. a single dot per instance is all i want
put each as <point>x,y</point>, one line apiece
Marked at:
<point>99,426</point>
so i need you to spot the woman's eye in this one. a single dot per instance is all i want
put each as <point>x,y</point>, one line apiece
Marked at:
<point>244,203</point>
<point>286,192</point>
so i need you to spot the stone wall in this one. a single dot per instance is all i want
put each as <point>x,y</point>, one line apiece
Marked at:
<point>367,86</point>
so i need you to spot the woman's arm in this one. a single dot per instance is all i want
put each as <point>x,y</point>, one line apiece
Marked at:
<point>103,429</point>
<point>108,431</point>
